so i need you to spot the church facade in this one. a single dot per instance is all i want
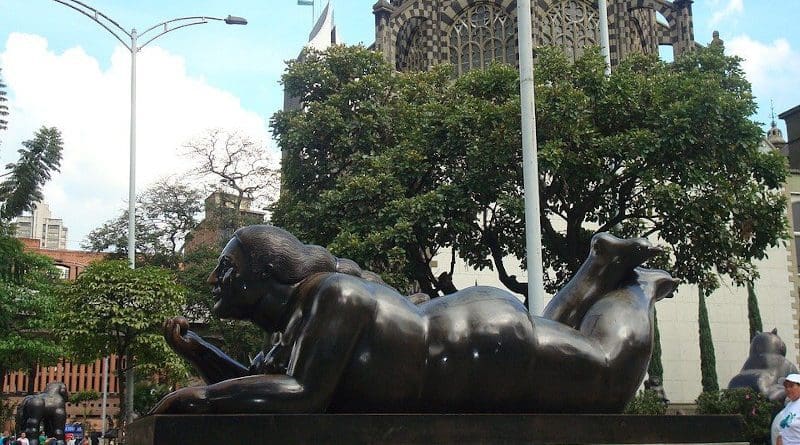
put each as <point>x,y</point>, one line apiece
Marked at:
<point>469,34</point>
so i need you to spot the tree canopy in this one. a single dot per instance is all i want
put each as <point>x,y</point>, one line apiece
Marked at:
<point>28,308</point>
<point>166,214</point>
<point>121,311</point>
<point>245,167</point>
<point>388,168</point>
<point>23,181</point>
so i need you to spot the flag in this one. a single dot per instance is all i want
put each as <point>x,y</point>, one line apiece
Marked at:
<point>305,2</point>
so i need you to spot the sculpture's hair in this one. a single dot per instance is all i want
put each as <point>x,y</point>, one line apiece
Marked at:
<point>276,253</point>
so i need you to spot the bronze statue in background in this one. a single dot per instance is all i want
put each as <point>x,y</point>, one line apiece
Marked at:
<point>352,344</point>
<point>765,367</point>
<point>47,408</point>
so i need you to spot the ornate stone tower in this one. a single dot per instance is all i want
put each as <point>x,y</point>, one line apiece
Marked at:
<point>417,34</point>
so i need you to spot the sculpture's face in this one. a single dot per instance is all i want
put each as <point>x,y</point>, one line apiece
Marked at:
<point>236,296</point>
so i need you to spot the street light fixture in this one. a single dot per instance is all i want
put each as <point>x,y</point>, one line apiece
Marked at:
<point>130,41</point>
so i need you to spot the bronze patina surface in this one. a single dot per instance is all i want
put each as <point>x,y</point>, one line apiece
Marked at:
<point>352,344</point>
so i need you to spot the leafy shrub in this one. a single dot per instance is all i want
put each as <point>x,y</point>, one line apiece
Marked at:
<point>646,402</point>
<point>756,410</point>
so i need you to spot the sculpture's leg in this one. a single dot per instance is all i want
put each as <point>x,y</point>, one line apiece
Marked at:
<point>611,260</point>
<point>621,322</point>
<point>31,416</point>
<point>54,423</point>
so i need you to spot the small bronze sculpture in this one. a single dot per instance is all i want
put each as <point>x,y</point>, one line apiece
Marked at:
<point>351,344</point>
<point>765,367</point>
<point>47,408</point>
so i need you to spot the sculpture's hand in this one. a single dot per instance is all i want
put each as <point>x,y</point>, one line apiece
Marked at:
<point>211,363</point>
<point>177,335</point>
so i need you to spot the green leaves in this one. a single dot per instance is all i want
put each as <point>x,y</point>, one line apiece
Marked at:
<point>25,178</point>
<point>118,309</point>
<point>165,215</point>
<point>28,308</point>
<point>389,168</point>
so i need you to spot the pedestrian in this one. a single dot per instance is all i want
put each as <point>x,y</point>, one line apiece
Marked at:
<point>22,439</point>
<point>786,426</point>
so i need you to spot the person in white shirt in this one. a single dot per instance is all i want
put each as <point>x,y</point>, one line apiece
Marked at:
<point>786,426</point>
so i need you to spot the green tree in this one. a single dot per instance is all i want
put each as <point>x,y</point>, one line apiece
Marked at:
<point>121,312</point>
<point>147,394</point>
<point>28,310</point>
<point>387,168</point>
<point>166,213</point>
<point>753,313</point>
<point>246,169</point>
<point>27,304</point>
<point>22,182</point>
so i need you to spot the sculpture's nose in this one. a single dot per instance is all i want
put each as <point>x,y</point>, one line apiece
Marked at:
<point>212,278</point>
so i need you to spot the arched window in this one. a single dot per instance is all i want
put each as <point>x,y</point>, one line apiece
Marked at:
<point>411,45</point>
<point>416,58</point>
<point>572,25</point>
<point>646,27</point>
<point>483,33</point>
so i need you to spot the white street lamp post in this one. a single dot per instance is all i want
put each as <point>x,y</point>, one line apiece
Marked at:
<point>133,47</point>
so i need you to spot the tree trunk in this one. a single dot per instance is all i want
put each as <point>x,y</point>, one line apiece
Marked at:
<point>121,389</point>
<point>708,363</point>
<point>753,314</point>
<point>33,373</point>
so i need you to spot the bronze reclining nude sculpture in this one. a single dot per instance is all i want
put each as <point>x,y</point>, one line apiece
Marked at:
<point>353,344</point>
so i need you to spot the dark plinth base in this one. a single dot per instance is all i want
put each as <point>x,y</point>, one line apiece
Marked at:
<point>459,429</point>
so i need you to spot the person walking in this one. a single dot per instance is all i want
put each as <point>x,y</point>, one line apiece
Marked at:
<point>786,426</point>
<point>22,439</point>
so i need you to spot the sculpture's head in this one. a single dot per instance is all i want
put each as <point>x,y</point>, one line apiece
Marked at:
<point>258,270</point>
<point>57,388</point>
<point>767,343</point>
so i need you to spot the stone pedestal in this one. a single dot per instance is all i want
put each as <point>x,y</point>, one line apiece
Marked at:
<point>288,429</point>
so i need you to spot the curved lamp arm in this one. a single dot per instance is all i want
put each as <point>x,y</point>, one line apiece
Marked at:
<point>117,31</point>
<point>100,18</point>
<point>179,23</point>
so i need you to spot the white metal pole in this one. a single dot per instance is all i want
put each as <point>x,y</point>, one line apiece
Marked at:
<point>530,170</point>
<point>132,178</point>
<point>105,394</point>
<point>605,49</point>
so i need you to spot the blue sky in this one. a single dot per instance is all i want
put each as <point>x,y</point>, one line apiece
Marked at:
<point>62,69</point>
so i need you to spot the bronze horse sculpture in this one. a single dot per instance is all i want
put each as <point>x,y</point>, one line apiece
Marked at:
<point>350,343</point>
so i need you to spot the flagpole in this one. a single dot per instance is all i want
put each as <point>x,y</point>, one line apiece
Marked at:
<point>313,5</point>
<point>602,9</point>
<point>530,169</point>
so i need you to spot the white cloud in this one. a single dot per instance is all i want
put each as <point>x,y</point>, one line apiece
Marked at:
<point>731,8</point>
<point>772,68</point>
<point>91,107</point>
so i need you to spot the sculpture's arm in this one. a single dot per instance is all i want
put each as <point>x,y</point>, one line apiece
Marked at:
<point>329,330</point>
<point>211,363</point>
